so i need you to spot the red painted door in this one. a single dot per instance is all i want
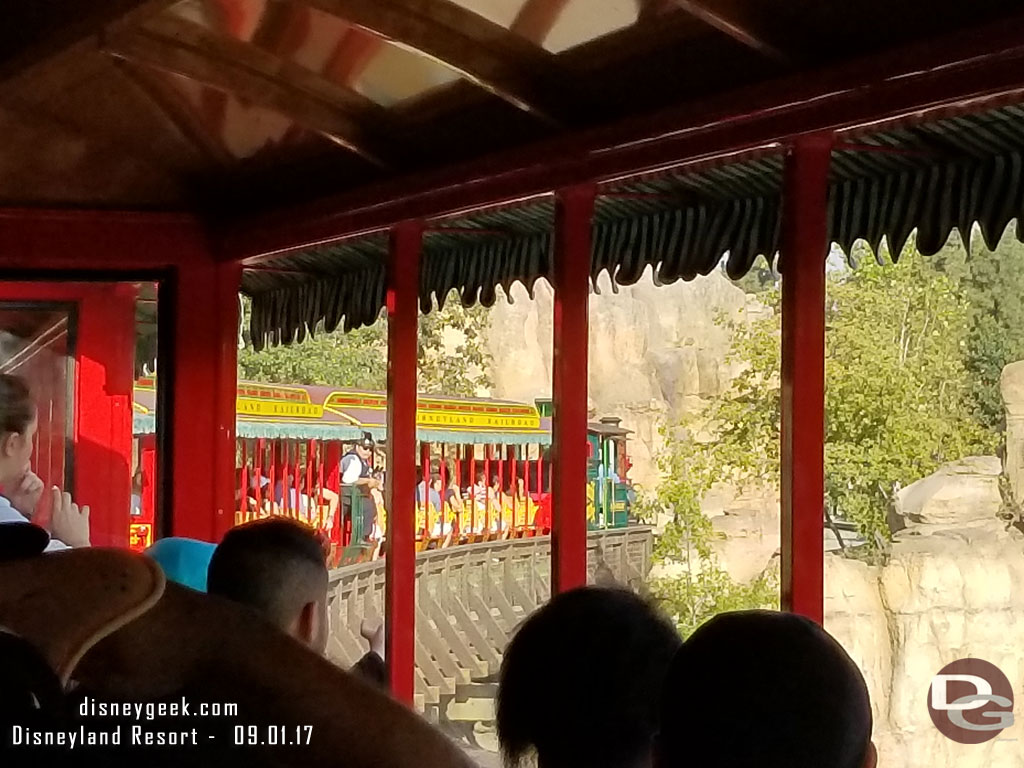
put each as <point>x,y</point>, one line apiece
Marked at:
<point>74,343</point>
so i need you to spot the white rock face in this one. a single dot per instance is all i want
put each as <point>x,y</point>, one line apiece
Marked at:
<point>962,493</point>
<point>749,524</point>
<point>1011,385</point>
<point>655,352</point>
<point>927,607</point>
<point>954,582</point>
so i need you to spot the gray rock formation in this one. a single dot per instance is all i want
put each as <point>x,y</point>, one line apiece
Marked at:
<point>940,598</point>
<point>655,352</point>
<point>1011,384</point>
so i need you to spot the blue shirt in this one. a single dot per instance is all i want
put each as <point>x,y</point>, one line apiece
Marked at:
<point>435,497</point>
<point>184,561</point>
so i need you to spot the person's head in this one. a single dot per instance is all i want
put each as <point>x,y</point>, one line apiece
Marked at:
<point>577,678</point>
<point>481,477</point>
<point>763,689</point>
<point>275,566</point>
<point>435,481</point>
<point>364,448</point>
<point>17,428</point>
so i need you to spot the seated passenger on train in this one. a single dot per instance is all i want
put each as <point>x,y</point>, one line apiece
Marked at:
<point>21,488</point>
<point>762,689</point>
<point>431,497</point>
<point>577,678</point>
<point>496,502</point>
<point>316,506</point>
<point>277,568</point>
<point>478,495</point>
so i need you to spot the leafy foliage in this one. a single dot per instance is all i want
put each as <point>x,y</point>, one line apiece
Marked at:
<point>992,283</point>
<point>898,391</point>
<point>359,358</point>
<point>904,351</point>
<point>703,588</point>
<point>465,372</point>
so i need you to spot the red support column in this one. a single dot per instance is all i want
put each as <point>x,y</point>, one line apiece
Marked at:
<point>574,213</point>
<point>802,264</point>
<point>202,402</point>
<point>400,562</point>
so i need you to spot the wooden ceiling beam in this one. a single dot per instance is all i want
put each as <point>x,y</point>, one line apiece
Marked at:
<point>735,19</point>
<point>954,71</point>
<point>181,47</point>
<point>186,121</point>
<point>39,32</point>
<point>536,19</point>
<point>351,56</point>
<point>494,58</point>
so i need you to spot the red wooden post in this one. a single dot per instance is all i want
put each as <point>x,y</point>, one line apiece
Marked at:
<point>258,473</point>
<point>574,211</point>
<point>513,484</point>
<point>286,457</point>
<point>425,471</point>
<point>272,476</point>
<point>333,461</point>
<point>443,471</point>
<point>203,397</point>
<point>802,264</point>
<point>400,562</point>
<point>243,483</point>
<point>488,454</point>
<point>297,484</point>
<point>458,482</point>
<point>149,481</point>
<point>320,483</point>
<point>501,492</point>
<point>310,496</point>
<point>472,489</point>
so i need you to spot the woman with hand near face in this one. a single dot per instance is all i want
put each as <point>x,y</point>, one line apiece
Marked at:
<point>22,488</point>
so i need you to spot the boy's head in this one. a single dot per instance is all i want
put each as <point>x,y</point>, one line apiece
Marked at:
<point>578,680</point>
<point>275,566</point>
<point>762,689</point>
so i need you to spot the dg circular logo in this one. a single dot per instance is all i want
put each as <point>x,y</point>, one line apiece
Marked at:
<point>970,701</point>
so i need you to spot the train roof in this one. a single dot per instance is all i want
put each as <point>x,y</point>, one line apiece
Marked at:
<point>293,411</point>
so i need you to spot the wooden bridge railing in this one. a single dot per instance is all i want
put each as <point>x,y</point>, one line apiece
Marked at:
<point>469,600</point>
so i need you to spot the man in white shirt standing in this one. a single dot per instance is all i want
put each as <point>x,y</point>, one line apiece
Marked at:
<point>356,483</point>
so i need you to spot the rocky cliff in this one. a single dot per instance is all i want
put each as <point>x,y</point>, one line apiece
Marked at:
<point>951,588</point>
<point>655,352</point>
<point>951,584</point>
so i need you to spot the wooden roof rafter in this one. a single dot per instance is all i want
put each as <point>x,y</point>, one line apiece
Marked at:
<point>734,19</point>
<point>496,59</point>
<point>181,47</point>
<point>536,18</point>
<point>181,115</point>
<point>41,32</point>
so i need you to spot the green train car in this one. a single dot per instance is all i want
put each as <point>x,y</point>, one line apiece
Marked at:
<point>610,496</point>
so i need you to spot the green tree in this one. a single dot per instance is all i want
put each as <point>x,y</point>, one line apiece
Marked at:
<point>898,391</point>
<point>703,588</point>
<point>359,358</point>
<point>356,359</point>
<point>992,283</point>
<point>466,371</point>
